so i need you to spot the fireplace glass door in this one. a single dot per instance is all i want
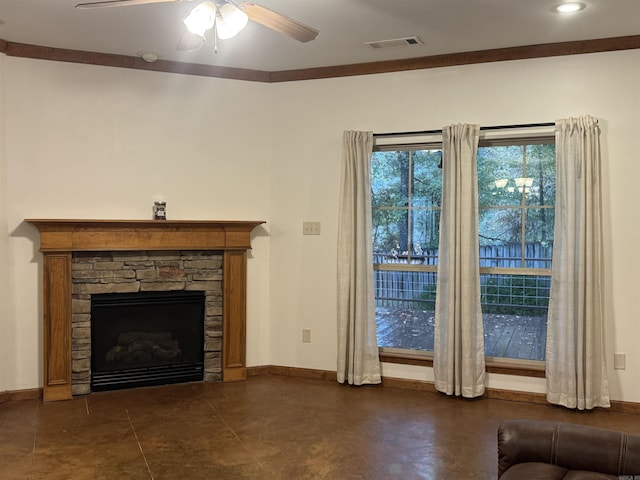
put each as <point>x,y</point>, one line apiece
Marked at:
<point>146,338</point>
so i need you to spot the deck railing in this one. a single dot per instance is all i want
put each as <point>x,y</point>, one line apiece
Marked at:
<point>500,293</point>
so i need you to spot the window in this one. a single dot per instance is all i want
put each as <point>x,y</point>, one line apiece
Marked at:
<point>516,188</point>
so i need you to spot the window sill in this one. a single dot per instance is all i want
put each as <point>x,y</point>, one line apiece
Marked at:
<point>524,368</point>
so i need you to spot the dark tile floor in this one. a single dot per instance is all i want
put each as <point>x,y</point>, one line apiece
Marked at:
<point>265,428</point>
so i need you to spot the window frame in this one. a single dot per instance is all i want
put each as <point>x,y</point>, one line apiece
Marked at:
<point>504,365</point>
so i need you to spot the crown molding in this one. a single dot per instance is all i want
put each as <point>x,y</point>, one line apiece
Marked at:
<point>630,42</point>
<point>23,50</point>
<point>462,58</point>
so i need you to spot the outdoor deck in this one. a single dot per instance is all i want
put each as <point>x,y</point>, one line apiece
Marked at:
<point>509,336</point>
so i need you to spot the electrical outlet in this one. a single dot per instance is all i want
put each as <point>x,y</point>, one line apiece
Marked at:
<point>311,228</point>
<point>306,335</point>
<point>619,360</point>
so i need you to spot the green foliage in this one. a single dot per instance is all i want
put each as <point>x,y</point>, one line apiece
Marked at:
<point>516,194</point>
<point>502,199</point>
<point>406,196</point>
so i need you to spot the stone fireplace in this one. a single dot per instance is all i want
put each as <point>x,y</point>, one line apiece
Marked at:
<point>99,273</point>
<point>85,257</point>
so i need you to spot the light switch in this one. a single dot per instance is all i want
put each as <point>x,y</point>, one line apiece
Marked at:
<point>311,228</point>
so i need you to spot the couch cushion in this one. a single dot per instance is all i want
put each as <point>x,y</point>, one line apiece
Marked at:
<point>582,475</point>
<point>534,471</point>
<point>546,471</point>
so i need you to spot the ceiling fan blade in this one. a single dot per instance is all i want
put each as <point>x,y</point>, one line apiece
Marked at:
<point>190,41</point>
<point>122,3</point>
<point>278,22</point>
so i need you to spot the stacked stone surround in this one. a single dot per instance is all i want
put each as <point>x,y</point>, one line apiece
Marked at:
<point>144,271</point>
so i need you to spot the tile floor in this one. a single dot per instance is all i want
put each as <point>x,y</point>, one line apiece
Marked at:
<point>266,428</point>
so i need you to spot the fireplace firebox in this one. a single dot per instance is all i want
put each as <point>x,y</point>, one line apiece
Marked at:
<point>146,338</point>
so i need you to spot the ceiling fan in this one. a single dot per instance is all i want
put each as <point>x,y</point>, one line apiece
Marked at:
<point>225,17</point>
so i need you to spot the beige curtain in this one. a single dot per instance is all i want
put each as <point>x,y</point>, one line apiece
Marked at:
<point>358,361</point>
<point>458,361</point>
<point>575,357</point>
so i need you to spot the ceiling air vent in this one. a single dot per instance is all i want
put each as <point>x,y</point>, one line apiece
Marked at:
<point>395,42</point>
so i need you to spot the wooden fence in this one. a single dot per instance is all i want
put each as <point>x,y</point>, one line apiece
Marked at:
<point>536,255</point>
<point>500,292</point>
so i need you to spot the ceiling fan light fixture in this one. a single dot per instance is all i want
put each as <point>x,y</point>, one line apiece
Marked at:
<point>201,18</point>
<point>230,21</point>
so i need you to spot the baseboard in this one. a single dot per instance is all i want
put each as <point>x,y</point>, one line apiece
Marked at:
<point>625,407</point>
<point>17,395</point>
<point>388,382</point>
<point>494,393</point>
<point>258,371</point>
<point>422,385</point>
<point>292,372</point>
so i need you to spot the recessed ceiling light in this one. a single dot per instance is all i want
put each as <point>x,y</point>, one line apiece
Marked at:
<point>570,7</point>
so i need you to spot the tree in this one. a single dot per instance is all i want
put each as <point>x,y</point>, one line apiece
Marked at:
<point>406,197</point>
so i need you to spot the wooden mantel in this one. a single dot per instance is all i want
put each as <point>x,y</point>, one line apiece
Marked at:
<point>59,238</point>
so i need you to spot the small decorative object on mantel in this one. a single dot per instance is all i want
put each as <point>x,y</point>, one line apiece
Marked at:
<point>160,210</point>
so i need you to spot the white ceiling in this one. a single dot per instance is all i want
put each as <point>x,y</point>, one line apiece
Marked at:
<point>445,26</point>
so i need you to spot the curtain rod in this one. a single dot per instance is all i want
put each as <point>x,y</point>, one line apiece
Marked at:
<point>438,132</point>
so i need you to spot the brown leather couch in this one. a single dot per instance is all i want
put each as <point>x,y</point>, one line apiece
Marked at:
<point>548,450</point>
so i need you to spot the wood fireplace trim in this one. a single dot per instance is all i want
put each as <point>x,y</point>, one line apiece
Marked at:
<point>59,238</point>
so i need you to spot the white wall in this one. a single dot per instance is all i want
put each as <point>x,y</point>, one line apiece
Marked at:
<point>311,116</point>
<point>85,127</point>
<point>96,142</point>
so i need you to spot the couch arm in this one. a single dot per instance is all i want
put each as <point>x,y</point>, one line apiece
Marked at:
<point>575,447</point>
